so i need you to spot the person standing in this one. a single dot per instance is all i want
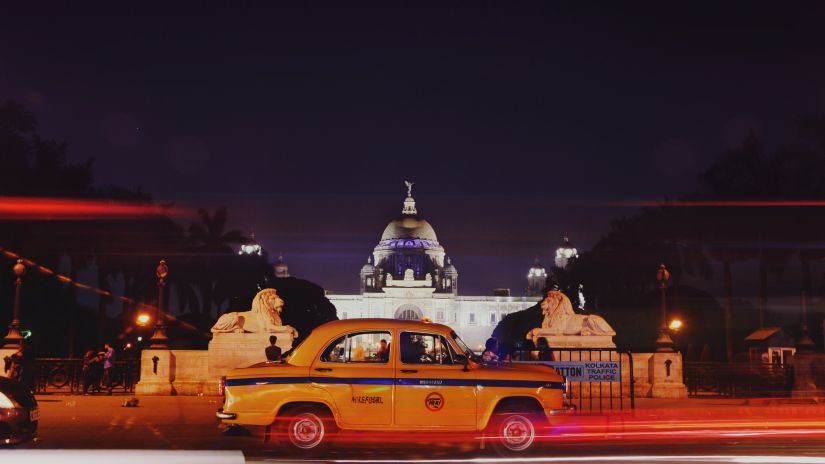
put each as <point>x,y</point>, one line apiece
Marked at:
<point>90,362</point>
<point>108,363</point>
<point>273,351</point>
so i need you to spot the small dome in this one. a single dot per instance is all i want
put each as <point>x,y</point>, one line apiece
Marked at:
<point>566,244</point>
<point>281,268</point>
<point>565,252</point>
<point>536,270</point>
<point>449,269</point>
<point>368,268</point>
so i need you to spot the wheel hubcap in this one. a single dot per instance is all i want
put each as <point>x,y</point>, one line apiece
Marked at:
<point>306,430</point>
<point>517,433</point>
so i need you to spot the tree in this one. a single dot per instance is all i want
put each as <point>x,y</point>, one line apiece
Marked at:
<point>210,241</point>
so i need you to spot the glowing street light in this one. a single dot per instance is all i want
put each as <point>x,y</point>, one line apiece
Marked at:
<point>143,319</point>
<point>675,325</point>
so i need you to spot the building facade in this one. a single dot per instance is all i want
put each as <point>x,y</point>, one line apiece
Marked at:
<point>409,276</point>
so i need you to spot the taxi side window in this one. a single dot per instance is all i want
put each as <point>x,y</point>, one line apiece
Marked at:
<point>362,347</point>
<point>424,348</point>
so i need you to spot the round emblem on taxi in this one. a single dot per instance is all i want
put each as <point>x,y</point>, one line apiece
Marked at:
<point>434,401</point>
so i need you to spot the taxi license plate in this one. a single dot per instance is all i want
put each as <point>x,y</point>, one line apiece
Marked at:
<point>34,415</point>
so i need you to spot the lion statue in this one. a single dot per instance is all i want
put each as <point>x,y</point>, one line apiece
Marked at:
<point>560,319</point>
<point>265,316</point>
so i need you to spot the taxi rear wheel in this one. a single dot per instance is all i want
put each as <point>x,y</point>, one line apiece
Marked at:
<point>514,433</point>
<point>307,430</point>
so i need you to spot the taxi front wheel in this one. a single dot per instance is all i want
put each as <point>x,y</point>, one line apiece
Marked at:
<point>514,433</point>
<point>307,430</point>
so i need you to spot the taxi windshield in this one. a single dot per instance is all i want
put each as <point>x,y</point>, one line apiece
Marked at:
<point>464,348</point>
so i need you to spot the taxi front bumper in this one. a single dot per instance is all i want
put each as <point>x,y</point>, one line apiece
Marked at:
<point>567,410</point>
<point>246,418</point>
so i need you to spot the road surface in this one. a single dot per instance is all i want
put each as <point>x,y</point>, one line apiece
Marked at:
<point>671,431</point>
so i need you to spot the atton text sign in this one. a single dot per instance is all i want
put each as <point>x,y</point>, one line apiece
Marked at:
<point>588,371</point>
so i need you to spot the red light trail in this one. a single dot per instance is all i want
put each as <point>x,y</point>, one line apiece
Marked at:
<point>35,208</point>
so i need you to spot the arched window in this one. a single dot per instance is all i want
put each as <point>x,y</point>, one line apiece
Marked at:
<point>408,312</point>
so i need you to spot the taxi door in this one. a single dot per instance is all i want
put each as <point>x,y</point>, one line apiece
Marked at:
<point>357,372</point>
<point>432,389</point>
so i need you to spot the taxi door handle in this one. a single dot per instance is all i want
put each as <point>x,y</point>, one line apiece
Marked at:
<point>323,369</point>
<point>409,371</point>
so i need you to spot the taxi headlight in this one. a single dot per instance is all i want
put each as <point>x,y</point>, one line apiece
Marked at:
<point>5,401</point>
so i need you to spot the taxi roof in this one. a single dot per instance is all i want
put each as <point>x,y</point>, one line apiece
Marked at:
<point>379,323</point>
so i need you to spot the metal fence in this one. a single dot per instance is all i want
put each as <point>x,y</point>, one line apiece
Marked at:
<point>65,375</point>
<point>599,380</point>
<point>738,379</point>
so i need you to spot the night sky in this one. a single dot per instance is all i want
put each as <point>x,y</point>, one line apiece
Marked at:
<point>514,119</point>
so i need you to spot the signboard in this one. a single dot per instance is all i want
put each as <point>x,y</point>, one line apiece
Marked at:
<point>588,371</point>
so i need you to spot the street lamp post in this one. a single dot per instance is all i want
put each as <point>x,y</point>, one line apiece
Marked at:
<point>159,339</point>
<point>805,342</point>
<point>664,344</point>
<point>14,339</point>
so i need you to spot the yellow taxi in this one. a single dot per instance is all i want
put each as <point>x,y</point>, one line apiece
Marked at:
<point>388,375</point>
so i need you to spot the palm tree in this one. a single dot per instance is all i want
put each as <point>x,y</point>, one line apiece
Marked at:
<point>740,174</point>
<point>210,241</point>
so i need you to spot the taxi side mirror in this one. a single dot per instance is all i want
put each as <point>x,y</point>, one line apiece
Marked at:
<point>466,361</point>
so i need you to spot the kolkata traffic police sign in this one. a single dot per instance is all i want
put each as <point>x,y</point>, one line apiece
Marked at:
<point>588,371</point>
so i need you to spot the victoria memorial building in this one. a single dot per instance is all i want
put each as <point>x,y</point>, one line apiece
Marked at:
<point>410,276</point>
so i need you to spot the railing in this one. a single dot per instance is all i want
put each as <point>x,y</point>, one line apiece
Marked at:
<point>599,380</point>
<point>65,375</point>
<point>737,379</point>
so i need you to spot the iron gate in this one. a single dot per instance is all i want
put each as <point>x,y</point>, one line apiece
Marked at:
<point>738,379</point>
<point>65,375</point>
<point>598,380</point>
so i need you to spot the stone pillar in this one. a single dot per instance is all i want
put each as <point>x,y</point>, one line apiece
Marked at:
<point>806,363</point>
<point>229,351</point>
<point>157,369</point>
<point>641,374</point>
<point>665,370</point>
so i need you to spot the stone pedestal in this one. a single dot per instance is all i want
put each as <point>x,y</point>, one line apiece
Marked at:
<point>806,363</point>
<point>199,372</point>
<point>228,351</point>
<point>156,372</point>
<point>665,371</point>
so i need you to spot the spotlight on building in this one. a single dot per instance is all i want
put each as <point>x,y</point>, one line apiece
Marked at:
<point>564,253</point>
<point>251,247</point>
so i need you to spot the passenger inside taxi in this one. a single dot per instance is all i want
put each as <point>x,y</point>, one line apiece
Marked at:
<point>383,354</point>
<point>424,349</point>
